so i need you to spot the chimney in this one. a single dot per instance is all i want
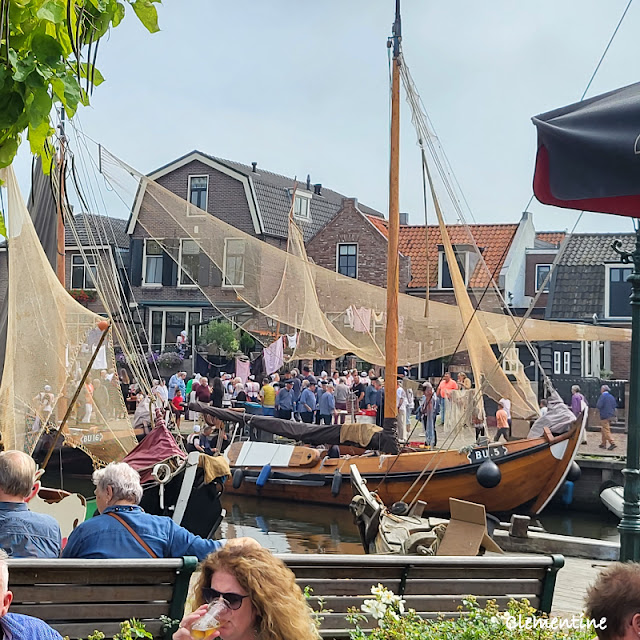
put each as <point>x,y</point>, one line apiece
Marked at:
<point>317,189</point>
<point>404,218</point>
<point>308,182</point>
<point>254,165</point>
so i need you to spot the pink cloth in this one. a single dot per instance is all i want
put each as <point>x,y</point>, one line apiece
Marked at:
<point>243,369</point>
<point>274,356</point>
<point>361,319</point>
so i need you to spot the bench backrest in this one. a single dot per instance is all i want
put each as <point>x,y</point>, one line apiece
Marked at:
<point>78,597</point>
<point>430,585</point>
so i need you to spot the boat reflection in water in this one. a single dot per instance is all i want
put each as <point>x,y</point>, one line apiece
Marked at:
<point>290,527</point>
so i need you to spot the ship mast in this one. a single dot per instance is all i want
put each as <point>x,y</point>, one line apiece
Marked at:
<point>391,335</point>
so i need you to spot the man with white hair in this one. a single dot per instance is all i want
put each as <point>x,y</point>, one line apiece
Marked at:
<point>14,626</point>
<point>23,533</point>
<point>124,530</point>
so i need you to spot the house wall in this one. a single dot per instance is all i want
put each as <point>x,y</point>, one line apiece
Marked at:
<point>620,355</point>
<point>351,226</point>
<point>104,257</point>
<point>512,274</point>
<point>530,277</point>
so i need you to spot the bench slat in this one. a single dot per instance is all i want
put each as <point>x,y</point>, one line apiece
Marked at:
<point>97,612</point>
<point>76,630</point>
<point>95,577</point>
<point>93,593</point>
<point>371,573</point>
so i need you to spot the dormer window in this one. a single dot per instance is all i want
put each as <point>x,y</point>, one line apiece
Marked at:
<point>302,206</point>
<point>444,275</point>
<point>542,271</point>
<point>198,191</point>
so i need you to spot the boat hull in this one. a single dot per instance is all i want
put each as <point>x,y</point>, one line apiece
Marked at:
<point>531,472</point>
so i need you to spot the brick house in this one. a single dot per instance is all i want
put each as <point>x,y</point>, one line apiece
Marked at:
<point>539,260</point>
<point>249,198</point>
<point>590,285</point>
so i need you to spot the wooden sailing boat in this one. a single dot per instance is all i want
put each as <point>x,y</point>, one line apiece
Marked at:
<point>527,472</point>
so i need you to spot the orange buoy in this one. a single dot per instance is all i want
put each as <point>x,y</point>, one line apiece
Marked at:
<point>103,325</point>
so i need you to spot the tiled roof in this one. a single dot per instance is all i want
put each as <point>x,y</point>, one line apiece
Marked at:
<point>274,200</point>
<point>551,237</point>
<point>493,240</point>
<point>578,284</point>
<point>96,229</point>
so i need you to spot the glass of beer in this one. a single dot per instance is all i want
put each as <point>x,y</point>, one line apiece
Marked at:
<point>210,621</point>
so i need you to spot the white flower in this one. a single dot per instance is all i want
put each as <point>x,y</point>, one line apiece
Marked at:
<point>374,608</point>
<point>379,590</point>
<point>401,606</point>
<point>388,597</point>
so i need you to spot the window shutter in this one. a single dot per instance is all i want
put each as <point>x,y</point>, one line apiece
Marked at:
<point>169,264</point>
<point>203,270</point>
<point>135,269</point>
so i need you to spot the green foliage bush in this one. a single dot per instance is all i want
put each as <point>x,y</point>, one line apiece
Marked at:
<point>220,334</point>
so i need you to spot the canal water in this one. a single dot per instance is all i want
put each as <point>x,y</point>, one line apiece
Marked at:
<point>285,527</point>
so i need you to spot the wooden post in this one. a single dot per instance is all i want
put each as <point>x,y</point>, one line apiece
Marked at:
<point>75,397</point>
<point>60,266</point>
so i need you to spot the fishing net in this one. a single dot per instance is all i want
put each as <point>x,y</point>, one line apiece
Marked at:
<point>333,314</point>
<point>51,339</point>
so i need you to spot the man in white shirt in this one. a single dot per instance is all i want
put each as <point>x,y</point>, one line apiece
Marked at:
<point>402,402</point>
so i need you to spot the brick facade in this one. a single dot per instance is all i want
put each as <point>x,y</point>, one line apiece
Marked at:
<point>352,227</point>
<point>621,359</point>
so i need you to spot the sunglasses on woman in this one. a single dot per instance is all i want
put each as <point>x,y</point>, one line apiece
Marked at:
<point>233,600</point>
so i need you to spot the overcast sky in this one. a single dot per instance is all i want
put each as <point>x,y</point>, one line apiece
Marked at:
<point>303,88</point>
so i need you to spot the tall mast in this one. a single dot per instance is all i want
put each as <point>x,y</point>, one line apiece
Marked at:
<point>60,266</point>
<point>391,336</point>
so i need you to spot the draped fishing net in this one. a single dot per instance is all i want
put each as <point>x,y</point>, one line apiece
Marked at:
<point>50,341</point>
<point>334,314</point>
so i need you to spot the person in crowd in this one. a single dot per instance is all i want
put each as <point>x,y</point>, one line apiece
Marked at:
<point>410,407</point>
<point>217,393</point>
<point>402,403</point>
<point>182,343</point>
<point>193,440</point>
<point>262,598</point>
<point>203,391</point>
<point>43,403</point>
<point>15,626</point>
<point>349,379</point>
<point>207,441</point>
<point>543,407</point>
<point>297,390</point>
<point>428,414</point>
<point>240,395</point>
<point>607,406</point>
<point>177,403</point>
<point>506,404</point>
<point>577,399</point>
<point>370,394</point>
<point>378,384</point>
<point>125,381</point>
<point>177,381</point>
<point>321,389</point>
<point>327,404</point>
<point>253,389</point>
<point>307,374</point>
<point>613,602</point>
<point>307,402</point>
<point>463,382</point>
<point>142,417</point>
<point>23,533</point>
<point>275,380</point>
<point>364,378</point>
<point>109,535</point>
<point>358,390</point>
<point>502,422</point>
<point>335,378</point>
<point>162,392</point>
<point>341,396</point>
<point>85,399</point>
<point>101,399</point>
<point>285,402</point>
<point>267,397</point>
<point>446,386</point>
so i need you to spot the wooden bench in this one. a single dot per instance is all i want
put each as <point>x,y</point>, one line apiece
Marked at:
<point>430,585</point>
<point>79,596</point>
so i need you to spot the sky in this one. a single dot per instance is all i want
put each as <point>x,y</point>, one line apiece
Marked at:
<point>303,88</point>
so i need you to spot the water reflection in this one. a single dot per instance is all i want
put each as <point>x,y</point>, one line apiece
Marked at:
<point>286,527</point>
<point>601,525</point>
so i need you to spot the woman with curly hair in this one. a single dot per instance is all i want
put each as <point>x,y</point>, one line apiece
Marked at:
<point>263,601</point>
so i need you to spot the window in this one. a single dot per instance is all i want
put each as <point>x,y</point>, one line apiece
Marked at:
<point>542,271</point>
<point>557,362</point>
<point>83,272</point>
<point>444,276</point>
<point>567,363</point>
<point>595,358</point>
<point>166,325</point>
<point>152,271</point>
<point>189,263</point>
<point>511,361</point>
<point>301,206</point>
<point>233,262</point>
<point>347,260</point>
<point>198,191</point>
<point>618,291</point>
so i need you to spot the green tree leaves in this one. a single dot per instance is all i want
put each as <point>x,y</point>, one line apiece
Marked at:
<point>147,14</point>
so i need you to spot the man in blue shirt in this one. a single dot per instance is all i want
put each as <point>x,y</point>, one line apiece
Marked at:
<point>177,382</point>
<point>371,394</point>
<point>285,403</point>
<point>307,402</point>
<point>607,406</point>
<point>23,533</point>
<point>15,625</point>
<point>118,493</point>
<point>327,404</point>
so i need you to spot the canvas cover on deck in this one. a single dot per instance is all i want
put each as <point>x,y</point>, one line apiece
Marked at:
<point>159,445</point>
<point>589,154</point>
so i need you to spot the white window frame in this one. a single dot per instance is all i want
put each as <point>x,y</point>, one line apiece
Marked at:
<point>185,285</point>
<point>607,289</point>
<point>194,211</point>
<point>557,362</point>
<point>441,259</point>
<point>596,357</point>
<point>164,311</point>
<point>566,363</point>
<point>347,244</point>
<point>84,266</point>
<point>151,285</point>
<point>511,360</point>
<point>224,265</point>
<point>306,196</point>
<point>546,289</point>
